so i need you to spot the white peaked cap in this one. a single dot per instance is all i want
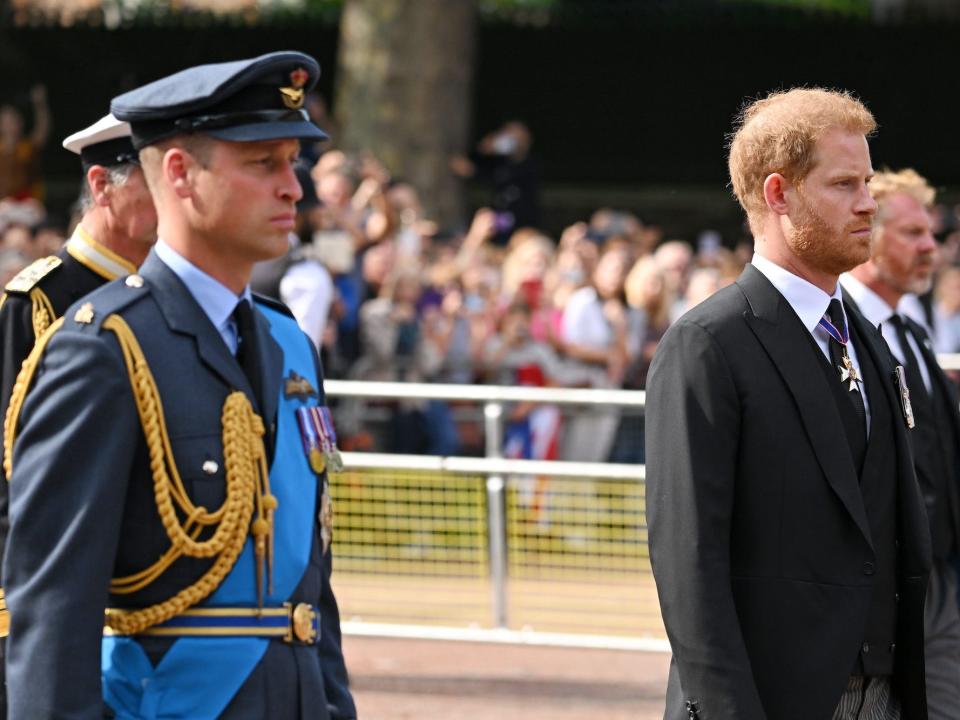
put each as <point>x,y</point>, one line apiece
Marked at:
<point>104,129</point>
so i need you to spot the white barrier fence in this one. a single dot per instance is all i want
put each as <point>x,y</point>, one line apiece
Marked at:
<point>412,529</point>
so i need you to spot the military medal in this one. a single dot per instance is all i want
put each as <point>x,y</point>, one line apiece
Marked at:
<point>329,438</point>
<point>900,378</point>
<point>848,373</point>
<point>326,518</point>
<point>311,439</point>
<point>319,439</point>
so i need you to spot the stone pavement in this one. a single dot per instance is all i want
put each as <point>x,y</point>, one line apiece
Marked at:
<point>396,679</point>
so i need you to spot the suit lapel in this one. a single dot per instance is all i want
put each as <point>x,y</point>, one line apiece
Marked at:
<point>938,380</point>
<point>782,335</point>
<point>185,316</point>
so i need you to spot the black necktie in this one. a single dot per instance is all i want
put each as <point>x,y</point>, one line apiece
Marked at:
<point>247,354</point>
<point>841,361</point>
<point>911,364</point>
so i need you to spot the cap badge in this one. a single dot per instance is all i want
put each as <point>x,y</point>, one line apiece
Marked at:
<point>299,77</point>
<point>293,96</point>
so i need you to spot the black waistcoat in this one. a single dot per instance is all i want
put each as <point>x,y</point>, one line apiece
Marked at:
<point>935,458</point>
<point>878,486</point>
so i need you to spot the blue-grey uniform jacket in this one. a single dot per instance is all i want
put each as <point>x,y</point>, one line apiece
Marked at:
<point>83,509</point>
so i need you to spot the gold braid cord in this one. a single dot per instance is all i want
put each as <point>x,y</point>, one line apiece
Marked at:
<point>19,394</point>
<point>43,312</point>
<point>247,487</point>
<point>43,320</point>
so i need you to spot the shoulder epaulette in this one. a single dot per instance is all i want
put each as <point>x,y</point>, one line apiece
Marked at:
<point>272,304</point>
<point>91,310</point>
<point>27,279</point>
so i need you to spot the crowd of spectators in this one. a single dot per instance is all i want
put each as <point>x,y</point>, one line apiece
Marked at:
<point>388,295</point>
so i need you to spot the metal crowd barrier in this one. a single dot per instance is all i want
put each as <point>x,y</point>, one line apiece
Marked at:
<point>490,548</point>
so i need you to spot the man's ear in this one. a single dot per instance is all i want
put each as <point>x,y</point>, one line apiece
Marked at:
<point>775,189</point>
<point>98,180</point>
<point>177,167</point>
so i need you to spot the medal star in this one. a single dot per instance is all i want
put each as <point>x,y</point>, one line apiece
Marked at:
<point>849,372</point>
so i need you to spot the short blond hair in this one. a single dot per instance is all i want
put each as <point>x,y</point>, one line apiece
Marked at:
<point>778,134</point>
<point>908,181</point>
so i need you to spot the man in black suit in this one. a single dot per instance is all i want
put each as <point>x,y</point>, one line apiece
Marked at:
<point>902,258</point>
<point>787,532</point>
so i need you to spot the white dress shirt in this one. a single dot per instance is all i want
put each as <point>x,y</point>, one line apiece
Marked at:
<point>878,313</point>
<point>217,300</point>
<point>810,303</point>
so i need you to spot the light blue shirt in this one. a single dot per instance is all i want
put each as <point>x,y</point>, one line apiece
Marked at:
<point>217,300</point>
<point>810,303</point>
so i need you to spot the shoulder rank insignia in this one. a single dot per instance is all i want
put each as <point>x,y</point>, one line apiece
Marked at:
<point>84,314</point>
<point>25,280</point>
<point>297,386</point>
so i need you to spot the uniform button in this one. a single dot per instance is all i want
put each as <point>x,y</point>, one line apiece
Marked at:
<point>896,597</point>
<point>865,648</point>
<point>868,568</point>
<point>893,647</point>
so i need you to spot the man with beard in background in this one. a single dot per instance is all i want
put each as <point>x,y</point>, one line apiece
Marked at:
<point>902,258</point>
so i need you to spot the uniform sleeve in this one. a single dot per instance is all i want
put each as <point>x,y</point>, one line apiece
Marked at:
<point>78,435</point>
<point>16,342</point>
<point>330,648</point>
<point>693,415</point>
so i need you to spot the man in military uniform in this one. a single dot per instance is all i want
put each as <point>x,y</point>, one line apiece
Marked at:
<point>169,461</point>
<point>903,255</point>
<point>113,237</point>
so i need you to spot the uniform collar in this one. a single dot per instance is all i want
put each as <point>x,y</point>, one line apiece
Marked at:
<point>217,300</point>
<point>97,257</point>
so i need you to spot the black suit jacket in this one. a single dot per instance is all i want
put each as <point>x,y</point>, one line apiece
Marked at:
<point>941,494</point>
<point>83,510</point>
<point>759,538</point>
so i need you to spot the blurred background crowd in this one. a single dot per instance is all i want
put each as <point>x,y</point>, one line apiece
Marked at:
<point>389,294</point>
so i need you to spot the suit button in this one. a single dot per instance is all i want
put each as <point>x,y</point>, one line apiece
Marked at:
<point>893,647</point>
<point>865,648</point>
<point>868,568</point>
